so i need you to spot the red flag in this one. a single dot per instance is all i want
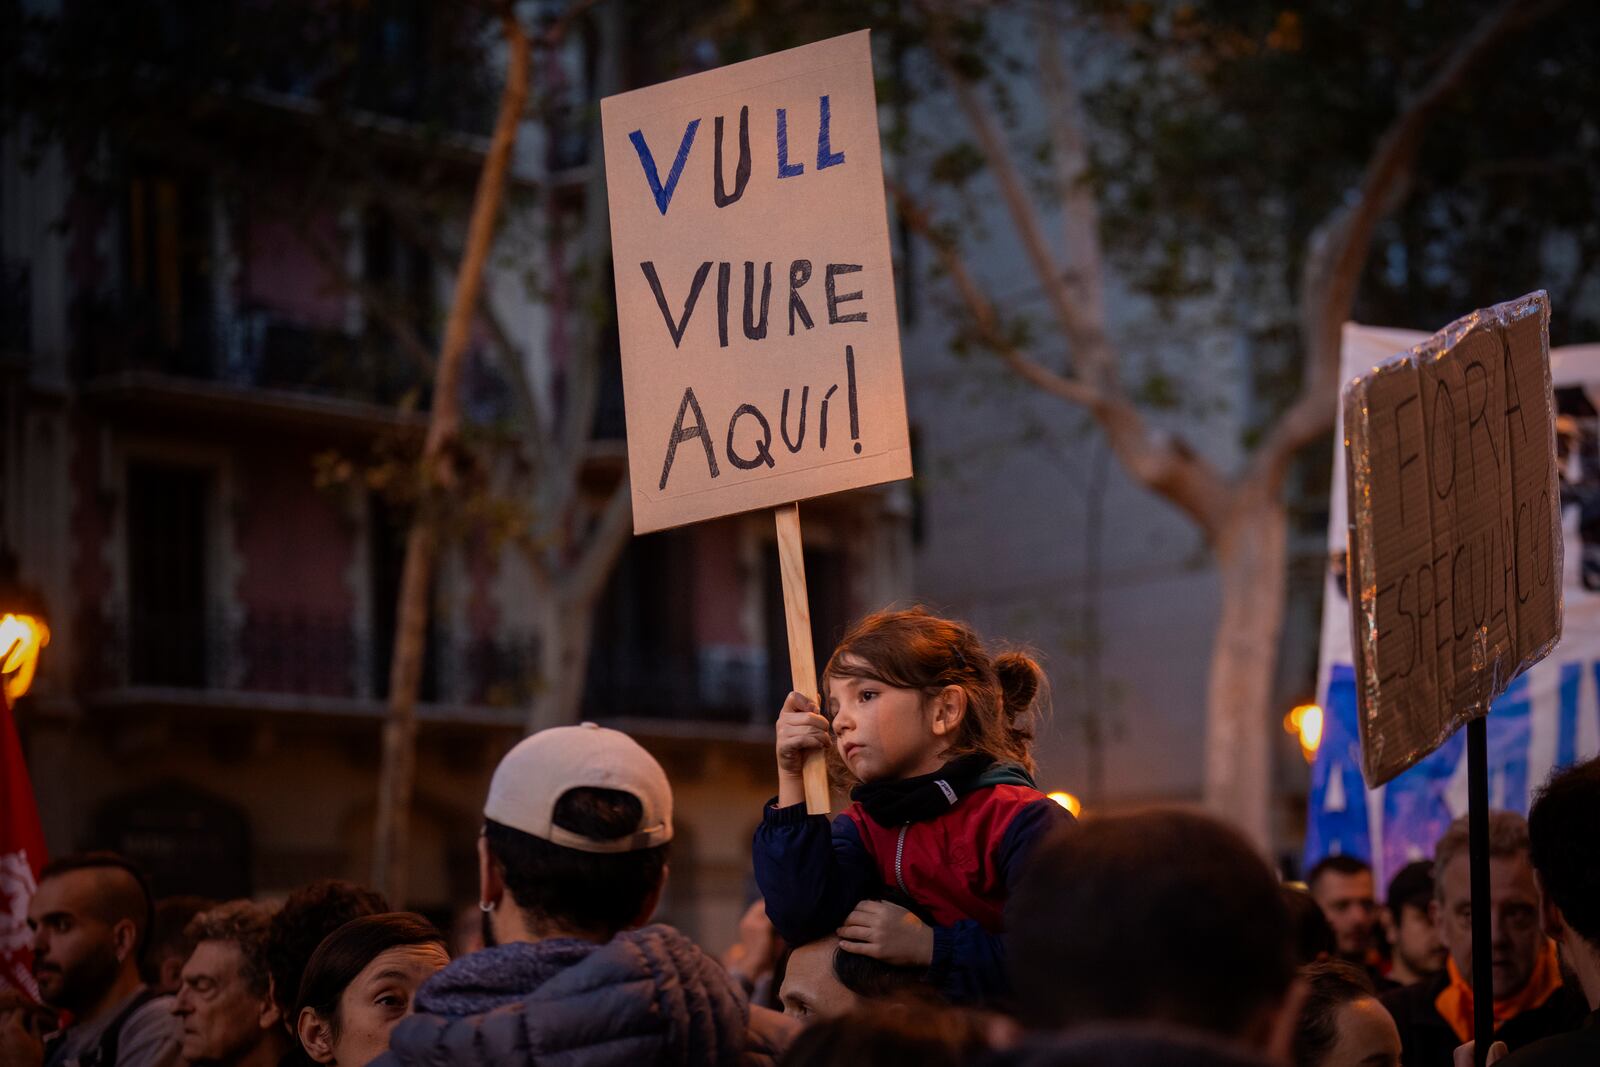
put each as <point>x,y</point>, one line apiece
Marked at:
<point>22,856</point>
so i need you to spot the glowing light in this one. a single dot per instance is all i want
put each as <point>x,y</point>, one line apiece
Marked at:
<point>1068,801</point>
<point>21,638</point>
<point>1305,722</point>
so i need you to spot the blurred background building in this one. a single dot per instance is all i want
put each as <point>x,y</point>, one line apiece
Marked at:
<point>193,364</point>
<point>228,237</point>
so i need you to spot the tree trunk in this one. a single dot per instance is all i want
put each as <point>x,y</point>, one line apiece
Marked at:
<point>567,631</point>
<point>391,853</point>
<point>1252,554</point>
<point>1097,713</point>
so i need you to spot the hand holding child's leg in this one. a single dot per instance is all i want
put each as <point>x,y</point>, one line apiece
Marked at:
<point>887,932</point>
<point>801,729</point>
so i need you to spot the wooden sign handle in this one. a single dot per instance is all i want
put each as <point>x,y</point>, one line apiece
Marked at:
<point>802,660</point>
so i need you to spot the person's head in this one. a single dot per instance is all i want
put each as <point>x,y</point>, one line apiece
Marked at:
<point>90,918</point>
<point>577,828</point>
<point>907,690</point>
<point>822,981</point>
<point>360,983</point>
<point>309,915</point>
<point>1516,939</point>
<point>1341,1022</point>
<point>1343,888</point>
<point>1408,921</point>
<point>892,1035</point>
<point>873,979</point>
<point>1313,937</point>
<point>169,945</point>
<point>1133,917</point>
<point>811,989</point>
<point>224,1000</point>
<point>1564,838</point>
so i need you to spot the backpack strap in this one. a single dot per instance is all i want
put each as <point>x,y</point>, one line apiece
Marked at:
<point>104,1054</point>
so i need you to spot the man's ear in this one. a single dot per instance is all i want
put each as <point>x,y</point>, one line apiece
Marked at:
<point>124,937</point>
<point>491,880</point>
<point>653,901</point>
<point>316,1035</point>
<point>949,708</point>
<point>269,1018</point>
<point>1391,924</point>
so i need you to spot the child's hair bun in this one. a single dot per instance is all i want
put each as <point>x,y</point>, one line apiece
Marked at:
<point>1020,680</point>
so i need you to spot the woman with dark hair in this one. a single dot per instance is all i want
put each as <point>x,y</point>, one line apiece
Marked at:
<point>359,984</point>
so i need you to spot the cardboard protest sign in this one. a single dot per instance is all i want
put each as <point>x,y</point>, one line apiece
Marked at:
<point>1455,528</point>
<point>755,293</point>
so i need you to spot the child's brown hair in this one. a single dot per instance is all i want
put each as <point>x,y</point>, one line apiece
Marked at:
<point>915,649</point>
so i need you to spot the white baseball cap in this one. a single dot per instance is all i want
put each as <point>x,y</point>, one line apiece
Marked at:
<point>545,765</point>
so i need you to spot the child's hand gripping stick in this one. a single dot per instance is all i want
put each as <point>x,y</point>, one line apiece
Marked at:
<point>802,660</point>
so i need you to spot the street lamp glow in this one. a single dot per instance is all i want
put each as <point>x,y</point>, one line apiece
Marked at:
<point>1305,722</point>
<point>21,638</point>
<point>1068,801</point>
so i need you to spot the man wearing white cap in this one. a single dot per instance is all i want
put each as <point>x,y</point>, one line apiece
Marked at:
<point>571,863</point>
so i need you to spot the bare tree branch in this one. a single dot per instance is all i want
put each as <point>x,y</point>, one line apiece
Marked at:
<point>1070,150</point>
<point>1161,462</point>
<point>1342,243</point>
<point>396,780</point>
<point>605,544</point>
<point>533,553</point>
<point>1087,340</point>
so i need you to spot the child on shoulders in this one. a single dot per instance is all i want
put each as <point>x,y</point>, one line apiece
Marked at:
<point>939,734</point>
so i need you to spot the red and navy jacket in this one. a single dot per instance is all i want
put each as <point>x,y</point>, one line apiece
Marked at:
<point>959,868</point>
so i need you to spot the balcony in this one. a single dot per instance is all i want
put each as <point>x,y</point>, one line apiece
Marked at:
<point>687,687</point>
<point>300,662</point>
<point>253,350</point>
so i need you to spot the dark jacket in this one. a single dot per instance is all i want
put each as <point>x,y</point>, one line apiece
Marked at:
<point>959,868</point>
<point>1428,1041</point>
<point>1577,1048</point>
<point>647,998</point>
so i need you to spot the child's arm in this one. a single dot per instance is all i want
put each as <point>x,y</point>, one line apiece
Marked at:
<point>969,962</point>
<point>963,961</point>
<point>810,873</point>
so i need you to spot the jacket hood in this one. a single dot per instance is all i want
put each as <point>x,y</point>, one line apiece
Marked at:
<point>1006,774</point>
<point>647,996</point>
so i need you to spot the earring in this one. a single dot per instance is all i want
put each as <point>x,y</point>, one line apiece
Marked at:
<point>486,906</point>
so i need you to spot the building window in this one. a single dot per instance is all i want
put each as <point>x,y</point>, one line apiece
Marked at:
<point>168,540</point>
<point>827,591</point>
<point>644,660</point>
<point>168,272</point>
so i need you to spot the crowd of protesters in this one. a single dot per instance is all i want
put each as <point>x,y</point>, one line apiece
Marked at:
<point>951,915</point>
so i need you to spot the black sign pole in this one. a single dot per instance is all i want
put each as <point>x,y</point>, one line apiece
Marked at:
<point>1478,834</point>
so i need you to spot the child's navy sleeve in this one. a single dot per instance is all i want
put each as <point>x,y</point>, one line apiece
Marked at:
<point>811,874</point>
<point>1028,827</point>
<point>969,962</point>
